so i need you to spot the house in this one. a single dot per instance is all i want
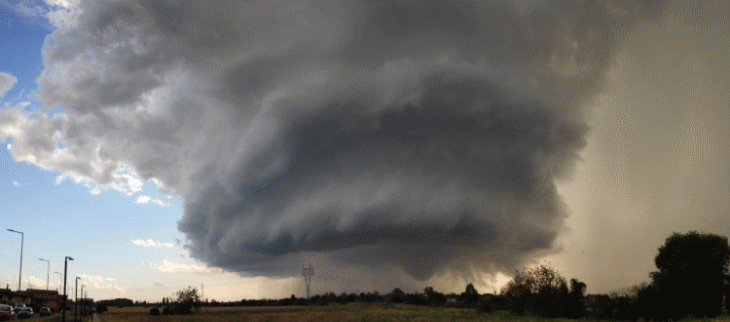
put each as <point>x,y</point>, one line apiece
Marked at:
<point>32,297</point>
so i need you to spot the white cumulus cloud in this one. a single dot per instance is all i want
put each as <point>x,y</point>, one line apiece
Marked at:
<point>147,199</point>
<point>152,243</point>
<point>7,81</point>
<point>101,283</point>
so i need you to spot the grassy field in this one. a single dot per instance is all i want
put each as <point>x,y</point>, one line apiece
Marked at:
<point>349,312</point>
<point>344,313</point>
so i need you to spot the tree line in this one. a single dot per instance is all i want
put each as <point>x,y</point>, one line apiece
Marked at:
<point>692,280</point>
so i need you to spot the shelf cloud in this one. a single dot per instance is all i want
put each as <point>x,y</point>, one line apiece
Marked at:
<point>415,136</point>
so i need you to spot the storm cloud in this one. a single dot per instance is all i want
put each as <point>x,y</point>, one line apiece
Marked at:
<point>404,135</point>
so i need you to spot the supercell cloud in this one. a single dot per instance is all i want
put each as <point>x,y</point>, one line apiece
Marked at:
<point>403,135</point>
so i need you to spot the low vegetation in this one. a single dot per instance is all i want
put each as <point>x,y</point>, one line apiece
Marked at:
<point>360,312</point>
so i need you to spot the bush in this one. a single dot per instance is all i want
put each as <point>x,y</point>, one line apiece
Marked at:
<point>154,311</point>
<point>167,311</point>
<point>101,308</point>
<point>183,307</point>
<point>485,305</point>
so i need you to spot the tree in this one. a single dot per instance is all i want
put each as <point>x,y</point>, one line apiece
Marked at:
<point>691,277</point>
<point>434,297</point>
<point>187,299</point>
<point>541,291</point>
<point>101,307</point>
<point>470,297</point>
<point>396,296</point>
<point>574,306</point>
<point>189,294</point>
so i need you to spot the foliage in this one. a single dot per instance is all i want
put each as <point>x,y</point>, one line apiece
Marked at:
<point>101,307</point>
<point>691,282</point>
<point>691,277</point>
<point>692,269</point>
<point>543,292</point>
<point>485,304</point>
<point>433,297</point>
<point>574,304</point>
<point>470,296</point>
<point>154,311</point>
<point>396,296</point>
<point>189,294</point>
<point>187,299</point>
<point>119,302</point>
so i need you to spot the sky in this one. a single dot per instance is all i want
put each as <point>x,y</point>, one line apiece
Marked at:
<point>167,144</point>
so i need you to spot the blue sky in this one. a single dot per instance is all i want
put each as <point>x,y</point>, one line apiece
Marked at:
<point>65,219</point>
<point>232,149</point>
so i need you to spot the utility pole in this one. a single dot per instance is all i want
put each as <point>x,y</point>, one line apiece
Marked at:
<point>48,271</point>
<point>22,239</point>
<point>65,270</point>
<point>76,298</point>
<point>307,273</point>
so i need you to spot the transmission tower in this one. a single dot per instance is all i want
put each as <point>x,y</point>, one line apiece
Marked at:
<point>307,273</point>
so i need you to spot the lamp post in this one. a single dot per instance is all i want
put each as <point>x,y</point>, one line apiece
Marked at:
<point>22,239</point>
<point>48,271</point>
<point>83,299</point>
<point>65,270</point>
<point>76,296</point>
<point>60,281</point>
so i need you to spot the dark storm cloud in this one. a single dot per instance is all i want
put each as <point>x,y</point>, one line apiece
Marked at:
<point>425,136</point>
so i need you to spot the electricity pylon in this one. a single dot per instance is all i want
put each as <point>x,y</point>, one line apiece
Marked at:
<point>307,273</point>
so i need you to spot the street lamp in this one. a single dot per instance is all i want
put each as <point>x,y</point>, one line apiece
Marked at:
<point>48,271</point>
<point>22,239</point>
<point>65,270</point>
<point>83,307</point>
<point>60,281</point>
<point>76,295</point>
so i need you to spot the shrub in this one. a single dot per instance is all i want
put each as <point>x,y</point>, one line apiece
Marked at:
<point>154,311</point>
<point>167,311</point>
<point>101,308</point>
<point>485,305</point>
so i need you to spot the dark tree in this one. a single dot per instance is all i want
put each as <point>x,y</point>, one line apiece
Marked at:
<point>470,297</point>
<point>434,297</point>
<point>543,292</point>
<point>574,306</point>
<point>187,299</point>
<point>396,296</point>
<point>691,277</point>
<point>101,308</point>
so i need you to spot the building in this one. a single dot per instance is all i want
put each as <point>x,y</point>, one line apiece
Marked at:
<point>33,298</point>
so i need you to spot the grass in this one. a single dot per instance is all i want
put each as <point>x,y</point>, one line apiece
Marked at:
<point>345,313</point>
<point>55,318</point>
